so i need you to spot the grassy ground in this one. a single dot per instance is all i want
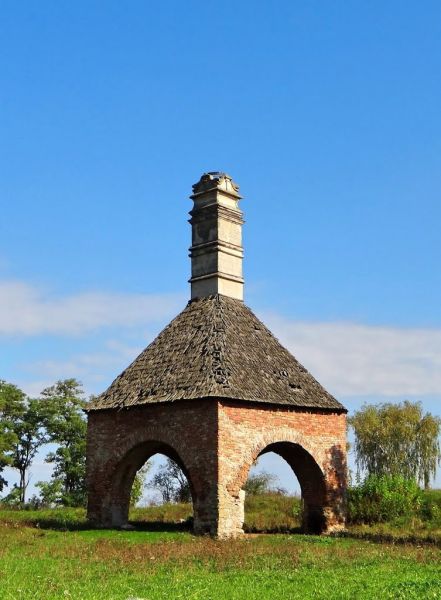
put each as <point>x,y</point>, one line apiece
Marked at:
<point>282,514</point>
<point>269,513</point>
<point>265,513</point>
<point>52,555</point>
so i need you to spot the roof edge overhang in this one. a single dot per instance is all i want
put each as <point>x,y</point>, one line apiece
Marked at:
<point>226,400</point>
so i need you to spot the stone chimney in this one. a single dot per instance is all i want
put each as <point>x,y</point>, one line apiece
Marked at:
<point>216,251</point>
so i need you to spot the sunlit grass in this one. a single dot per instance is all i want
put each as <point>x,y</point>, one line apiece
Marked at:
<point>52,554</point>
<point>83,564</point>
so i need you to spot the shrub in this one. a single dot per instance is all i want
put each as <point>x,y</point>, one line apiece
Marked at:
<point>259,483</point>
<point>383,498</point>
<point>431,507</point>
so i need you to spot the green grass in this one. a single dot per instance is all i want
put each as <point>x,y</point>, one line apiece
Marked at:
<point>267,513</point>
<point>52,555</point>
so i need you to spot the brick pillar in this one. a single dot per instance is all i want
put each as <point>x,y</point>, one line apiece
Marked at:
<point>335,505</point>
<point>108,501</point>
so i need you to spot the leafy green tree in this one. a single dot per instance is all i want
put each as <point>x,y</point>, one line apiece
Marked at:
<point>30,436</point>
<point>382,498</point>
<point>397,439</point>
<point>66,426</point>
<point>13,498</point>
<point>139,484</point>
<point>51,492</point>
<point>12,408</point>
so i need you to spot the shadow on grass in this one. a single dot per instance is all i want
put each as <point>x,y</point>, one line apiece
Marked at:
<point>274,530</point>
<point>186,527</point>
<point>77,525</point>
<point>57,524</point>
<point>389,538</point>
<point>161,526</point>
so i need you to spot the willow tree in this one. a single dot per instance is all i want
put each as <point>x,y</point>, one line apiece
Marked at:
<point>397,439</point>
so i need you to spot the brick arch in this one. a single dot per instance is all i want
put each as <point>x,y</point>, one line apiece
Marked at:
<point>216,443</point>
<point>276,436</point>
<point>120,470</point>
<point>306,461</point>
<point>159,435</point>
<point>125,470</point>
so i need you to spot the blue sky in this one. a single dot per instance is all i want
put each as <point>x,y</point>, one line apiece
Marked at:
<point>325,113</point>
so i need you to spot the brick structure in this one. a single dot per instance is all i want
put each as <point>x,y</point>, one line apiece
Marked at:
<point>215,391</point>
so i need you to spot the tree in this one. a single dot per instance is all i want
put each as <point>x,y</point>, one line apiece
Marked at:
<point>30,436</point>
<point>66,426</point>
<point>21,435</point>
<point>13,498</point>
<point>171,483</point>
<point>139,484</point>
<point>51,492</point>
<point>260,483</point>
<point>11,406</point>
<point>397,439</point>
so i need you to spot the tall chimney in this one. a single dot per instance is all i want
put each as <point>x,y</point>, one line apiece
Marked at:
<point>216,251</point>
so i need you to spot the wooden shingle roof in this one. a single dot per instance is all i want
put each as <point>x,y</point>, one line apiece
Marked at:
<point>216,348</point>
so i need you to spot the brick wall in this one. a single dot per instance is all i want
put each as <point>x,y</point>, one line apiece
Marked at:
<point>119,442</point>
<point>313,444</point>
<point>216,443</point>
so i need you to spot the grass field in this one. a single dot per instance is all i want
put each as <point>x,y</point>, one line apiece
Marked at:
<point>52,555</point>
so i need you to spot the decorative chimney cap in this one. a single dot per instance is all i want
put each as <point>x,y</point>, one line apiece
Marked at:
<point>216,180</point>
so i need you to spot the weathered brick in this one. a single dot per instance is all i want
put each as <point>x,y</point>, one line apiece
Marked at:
<point>216,442</point>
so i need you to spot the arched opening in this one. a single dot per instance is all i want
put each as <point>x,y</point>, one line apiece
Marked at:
<point>272,497</point>
<point>161,497</point>
<point>292,491</point>
<point>125,474</point>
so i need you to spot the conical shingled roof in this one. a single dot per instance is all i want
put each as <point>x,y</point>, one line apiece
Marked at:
<point>216,348</point>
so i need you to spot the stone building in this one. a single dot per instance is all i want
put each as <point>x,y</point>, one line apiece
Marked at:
<point>214,391</point>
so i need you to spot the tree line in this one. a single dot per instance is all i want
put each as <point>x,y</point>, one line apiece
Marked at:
<point>26,424</point>
<point>390,440</point>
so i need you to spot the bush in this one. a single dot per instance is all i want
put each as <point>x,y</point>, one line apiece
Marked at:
<point>383,498</point>
<point>431,507</point>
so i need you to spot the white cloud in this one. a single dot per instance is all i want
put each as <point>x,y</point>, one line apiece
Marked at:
<point>351,359</point>
<point>27,310</point>
<point>94,369</point>
<point>347,358</point>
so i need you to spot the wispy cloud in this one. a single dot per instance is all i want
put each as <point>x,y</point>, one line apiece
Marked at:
<point>351,359</point>
<point>28,311</point>
<point>94,369</point>
<point>347,358</point>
